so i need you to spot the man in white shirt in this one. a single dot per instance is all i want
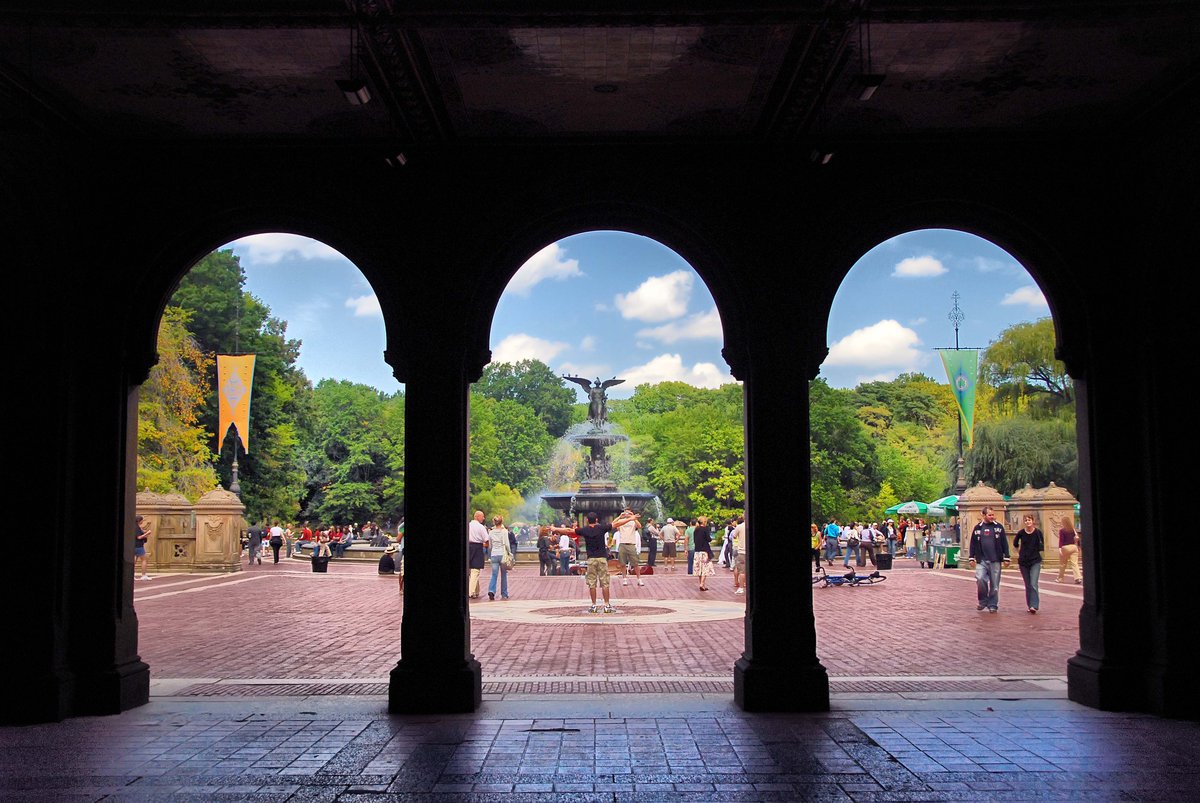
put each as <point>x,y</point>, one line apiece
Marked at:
<point>669,536</point>
<point>627,527</point>
<point>477,536</point>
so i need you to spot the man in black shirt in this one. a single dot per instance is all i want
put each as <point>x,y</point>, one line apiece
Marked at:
<point>597,567</point>
<point>988,552</point>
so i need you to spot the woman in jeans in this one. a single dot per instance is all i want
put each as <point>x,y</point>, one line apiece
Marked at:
<point>502,557</point>
<point>1030,543</point>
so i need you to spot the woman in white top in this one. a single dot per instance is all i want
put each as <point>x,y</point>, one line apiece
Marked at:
<point>502,557</point>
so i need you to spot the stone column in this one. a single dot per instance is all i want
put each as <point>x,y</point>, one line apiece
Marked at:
<point>217,545</point>
<point>436,672</point>
<point>779,670</point>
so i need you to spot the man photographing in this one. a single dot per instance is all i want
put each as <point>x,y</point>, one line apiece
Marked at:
<point>597,566</point>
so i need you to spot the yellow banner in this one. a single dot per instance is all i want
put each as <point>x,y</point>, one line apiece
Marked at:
<point>235,378</point>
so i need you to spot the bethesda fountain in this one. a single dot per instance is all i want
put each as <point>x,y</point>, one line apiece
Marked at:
<point>597,492</point>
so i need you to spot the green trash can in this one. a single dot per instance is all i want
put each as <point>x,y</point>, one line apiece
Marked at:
<point>952,557</point>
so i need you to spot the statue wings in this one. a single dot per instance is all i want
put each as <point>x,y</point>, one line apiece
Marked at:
<point>586,384</point>
<point>608,383</point>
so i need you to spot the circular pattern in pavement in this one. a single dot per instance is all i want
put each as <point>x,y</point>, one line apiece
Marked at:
<point>654,612</point>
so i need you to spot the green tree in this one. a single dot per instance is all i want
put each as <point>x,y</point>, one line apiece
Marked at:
<point>226,320</point>
<point>508,445</point>
<point>1011,452</point>
<point>533,384</point>
<point>173,452</point>
<point>1020,365</point>
<point>355,453</point>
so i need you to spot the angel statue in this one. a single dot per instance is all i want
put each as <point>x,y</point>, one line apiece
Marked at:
<point>597,398</point>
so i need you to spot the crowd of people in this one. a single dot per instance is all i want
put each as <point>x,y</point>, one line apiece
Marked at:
<point>866,540</point>
<point>619,544</point>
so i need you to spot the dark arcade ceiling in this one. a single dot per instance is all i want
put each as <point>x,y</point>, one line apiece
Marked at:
<point>249,72</point>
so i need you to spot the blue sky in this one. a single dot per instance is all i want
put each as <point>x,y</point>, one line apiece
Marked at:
<point>609,303</point>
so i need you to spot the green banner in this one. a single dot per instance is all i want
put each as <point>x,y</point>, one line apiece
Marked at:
<point>962,369</point>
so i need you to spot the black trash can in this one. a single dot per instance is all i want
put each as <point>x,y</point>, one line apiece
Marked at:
<point>883,560</point>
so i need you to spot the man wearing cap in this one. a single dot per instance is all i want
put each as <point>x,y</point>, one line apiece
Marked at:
<point>669,534</point>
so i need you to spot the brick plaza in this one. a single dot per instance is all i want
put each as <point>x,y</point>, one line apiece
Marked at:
<point>268,686</point>
<point>916,632</point>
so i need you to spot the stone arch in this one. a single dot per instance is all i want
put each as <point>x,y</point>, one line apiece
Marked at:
<point>699,251</point>
<point>165,266</point>
<point>1037,254</point>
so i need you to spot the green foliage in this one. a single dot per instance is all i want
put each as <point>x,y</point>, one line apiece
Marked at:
<point>1012,452</point>
<point>509,445</point>
<point>173,452</point>
<point>227,320</point>
<point>686,445</point>
<point>1020,365</point>
<point>354,457</point>
<point>534,385</point>
<point>499,500</point>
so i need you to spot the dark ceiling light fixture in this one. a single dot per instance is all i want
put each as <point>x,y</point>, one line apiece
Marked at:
<point>398,160</point>
<point>867,79</point>
<point>354,88</point>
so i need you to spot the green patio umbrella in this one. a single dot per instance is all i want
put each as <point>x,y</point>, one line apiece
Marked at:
<point>910,507</point>
<point>947,503</point>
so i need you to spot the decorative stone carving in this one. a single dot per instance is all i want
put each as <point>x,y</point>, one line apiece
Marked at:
<point>205,537</point>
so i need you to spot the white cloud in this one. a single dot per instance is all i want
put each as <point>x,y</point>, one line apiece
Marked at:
<point>921,267</point>
<point>918,321</point>
<point>703,326</point>
<point>520,346</point>
<point>549,263</point>
<point>886,344</point>
<point>588,343</point>
<point>989,265</point>
<point>658,297</point>
<point>365,306</point>
<point>273,248</point>
<point>670,367</point>
<point>1029,296</point>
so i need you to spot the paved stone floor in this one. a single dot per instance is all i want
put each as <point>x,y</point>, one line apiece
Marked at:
<point>277,630</point>
<point>270,685</point>
<point>602,748</point>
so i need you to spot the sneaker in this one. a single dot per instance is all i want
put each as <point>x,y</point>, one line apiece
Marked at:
<point>609,609</point>
<point>979,607</point>
<point>1033,610</point>
<point>740,591</point>
<point>492,595</point>
<point>147,577</point>
<point>624,582</point>
<point>1078,582</point>
<point>994,610</point>
<point>594,609</point>
<point>641,583</point>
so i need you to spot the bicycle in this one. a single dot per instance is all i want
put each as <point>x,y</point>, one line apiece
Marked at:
<point>851,579</point>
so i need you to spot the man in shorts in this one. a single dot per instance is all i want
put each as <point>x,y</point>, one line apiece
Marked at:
<point>669,534</point>
<point>626,527</point>
<point>597,566</point>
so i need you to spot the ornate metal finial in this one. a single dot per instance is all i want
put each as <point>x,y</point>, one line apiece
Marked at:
<point>956,314</point>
